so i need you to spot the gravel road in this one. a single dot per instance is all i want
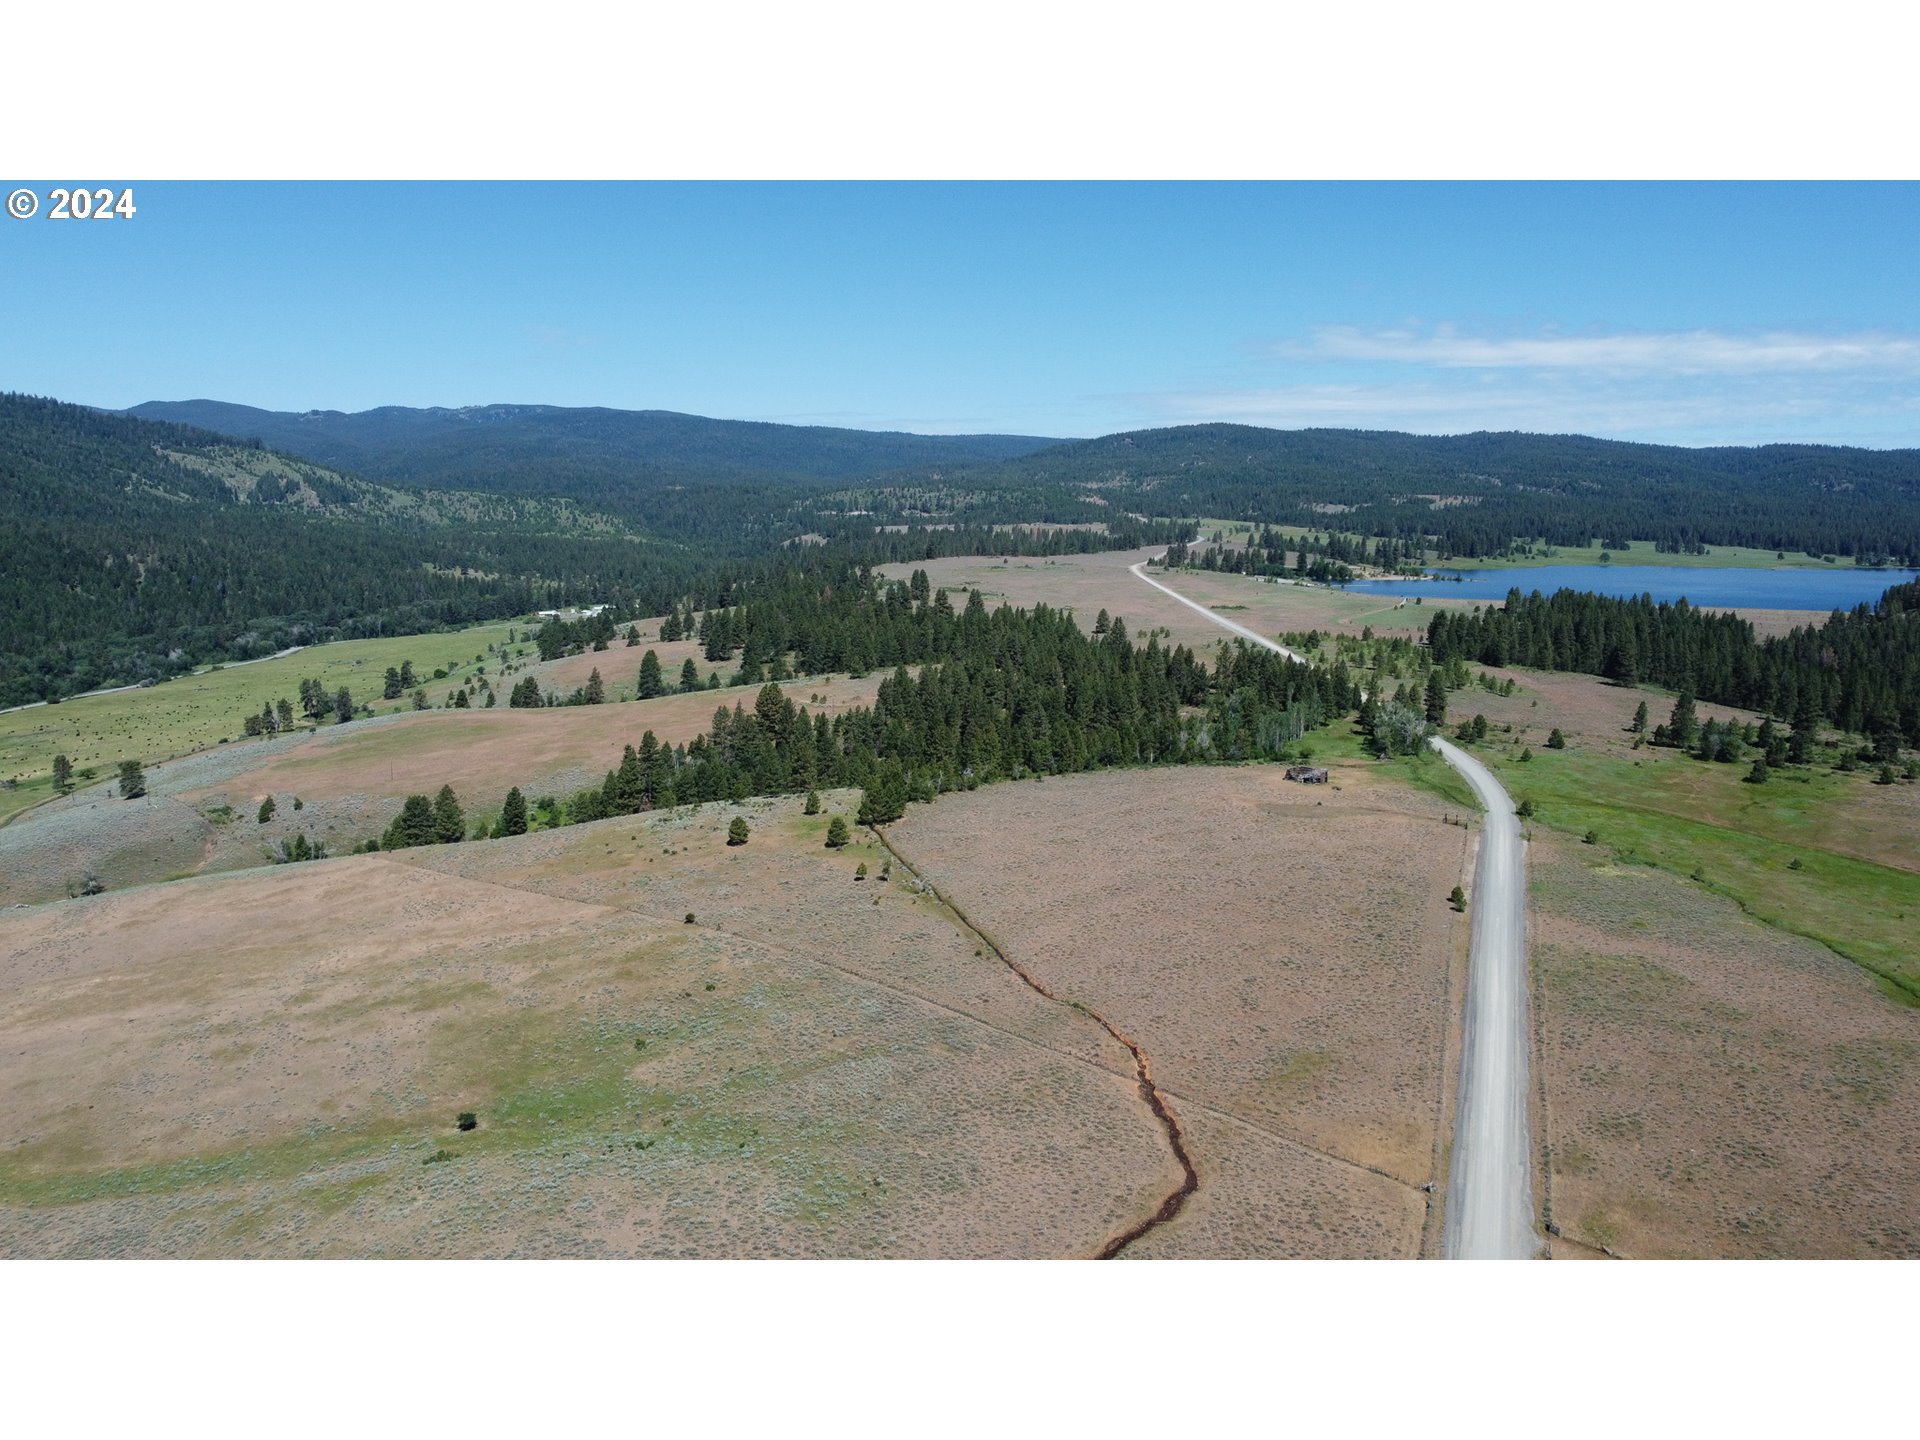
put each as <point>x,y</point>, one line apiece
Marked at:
<point>1490,1186</point>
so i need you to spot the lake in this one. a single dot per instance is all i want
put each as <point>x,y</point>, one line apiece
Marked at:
<point>1787,589</point>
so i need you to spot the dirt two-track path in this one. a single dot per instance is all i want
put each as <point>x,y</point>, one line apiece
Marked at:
<point>1489,1214</point>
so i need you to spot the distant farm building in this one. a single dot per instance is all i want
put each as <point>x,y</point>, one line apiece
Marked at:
<point>1307,774</point>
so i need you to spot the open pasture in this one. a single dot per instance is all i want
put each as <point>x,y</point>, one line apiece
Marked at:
<point>200,812</point>
<point>273,1063</point>
<point>1283,953</point>
<point>1827,855</point>
<point>194,712</point>
<point>1088,584</point>
<point>1714,1086</point>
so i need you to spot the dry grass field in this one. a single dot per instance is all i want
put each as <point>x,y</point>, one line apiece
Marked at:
<point>200,811</point>
<point>272,1063</point>
<point>1714,1087</point>
<point>483,753</point>
<point>619,666</point>
<point>1087,584</point>
<point>1283,953</point>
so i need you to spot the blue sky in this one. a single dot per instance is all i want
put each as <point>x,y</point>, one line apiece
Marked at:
<point>1696,314</point>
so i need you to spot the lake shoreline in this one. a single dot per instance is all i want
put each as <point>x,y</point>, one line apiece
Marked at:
<point>1783,588</point>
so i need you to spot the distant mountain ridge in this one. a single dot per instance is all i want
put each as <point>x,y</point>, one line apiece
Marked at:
<point>1475,494</point>
<point>581,451</point>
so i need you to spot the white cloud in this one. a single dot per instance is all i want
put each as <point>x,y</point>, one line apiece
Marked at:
<point>1681,352</point>
<point>1745,414</point>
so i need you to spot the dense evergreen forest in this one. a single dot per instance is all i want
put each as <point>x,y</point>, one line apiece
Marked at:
<point>134,550</point>
<point>1463,496</point>
<point>1859,671</point>
<point>599,455</point>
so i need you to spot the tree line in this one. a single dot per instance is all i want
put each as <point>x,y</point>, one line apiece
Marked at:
<point>1859,670</point>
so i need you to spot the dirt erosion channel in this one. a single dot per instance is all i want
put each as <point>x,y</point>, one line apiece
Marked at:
<point>1149,1092</point>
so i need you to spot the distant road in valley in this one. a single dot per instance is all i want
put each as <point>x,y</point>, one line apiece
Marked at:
<point>1490,1186</point>
<point>122,689</point>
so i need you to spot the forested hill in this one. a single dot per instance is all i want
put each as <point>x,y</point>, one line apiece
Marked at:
<point>598,455</point>
<point>131,550</point>
<point>1478,493</point>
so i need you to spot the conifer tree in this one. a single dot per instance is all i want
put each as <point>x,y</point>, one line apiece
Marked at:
<point>1683,726</point>
<point>737,832</point>
<point>266,809</point>
<point>689,676</point>
<point>449,824</point>
<point>652,684</point>
<point>836,833</point>
<point>886,798</point>
<point>133,780</point>
<point>62,774</point>
<point>596,691</point>
<point>1622,665</point>
<point>414,825</point>
<point>513,813</point>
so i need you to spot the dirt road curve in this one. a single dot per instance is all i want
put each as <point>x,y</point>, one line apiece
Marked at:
<point>1489,1188</point>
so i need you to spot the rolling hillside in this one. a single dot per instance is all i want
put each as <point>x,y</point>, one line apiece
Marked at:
<point>133,550</point>
<point>589,453</point>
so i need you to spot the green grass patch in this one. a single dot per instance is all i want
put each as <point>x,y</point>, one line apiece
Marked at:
<point>195,712</point>
<point>1641,552</point>
<point>27,793</point>
<point>1691,817</point>
<point>26,1178</point>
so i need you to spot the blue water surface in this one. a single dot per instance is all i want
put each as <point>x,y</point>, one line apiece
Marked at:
<point>1784,589</point>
